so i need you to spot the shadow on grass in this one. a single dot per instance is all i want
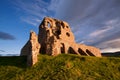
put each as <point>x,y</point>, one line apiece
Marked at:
<point>18,61</point>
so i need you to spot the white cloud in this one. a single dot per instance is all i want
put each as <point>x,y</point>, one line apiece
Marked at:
<point>100,33</point>
<point>110,30</point>
<point>110,50</point>
<point>33,11</point>
<point>106,28</point>
<point>92,21</point>
<point>32,20</point>
<point>34,8</point>
<point>110,45</point>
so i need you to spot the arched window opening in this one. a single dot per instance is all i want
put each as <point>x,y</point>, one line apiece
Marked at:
<point>48,24</point>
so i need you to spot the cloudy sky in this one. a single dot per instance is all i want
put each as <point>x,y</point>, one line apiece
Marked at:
<point>93,22</point>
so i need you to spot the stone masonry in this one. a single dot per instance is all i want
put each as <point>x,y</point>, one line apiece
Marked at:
<point>55,37</point>
<point>31,49</point>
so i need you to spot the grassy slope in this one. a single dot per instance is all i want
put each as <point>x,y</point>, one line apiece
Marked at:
<point>62,67</point>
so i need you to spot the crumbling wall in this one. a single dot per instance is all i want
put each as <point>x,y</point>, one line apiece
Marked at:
<point>54,32</point>
<point>55,37</point>
<point>31,49</point>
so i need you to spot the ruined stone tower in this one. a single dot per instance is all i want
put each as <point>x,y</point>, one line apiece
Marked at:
<point>53,34</point>
<point>55,37</point>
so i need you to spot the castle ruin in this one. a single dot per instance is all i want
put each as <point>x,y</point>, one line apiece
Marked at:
<point>54,37</point>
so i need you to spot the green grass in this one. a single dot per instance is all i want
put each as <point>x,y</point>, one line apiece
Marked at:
<point>62,67</point>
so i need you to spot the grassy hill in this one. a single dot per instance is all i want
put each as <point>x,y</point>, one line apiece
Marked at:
<point>62,67</point>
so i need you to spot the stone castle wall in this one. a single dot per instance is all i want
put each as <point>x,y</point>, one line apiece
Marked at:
<point>55,37</point>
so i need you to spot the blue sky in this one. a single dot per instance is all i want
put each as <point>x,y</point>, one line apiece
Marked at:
<point>93,22</point>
